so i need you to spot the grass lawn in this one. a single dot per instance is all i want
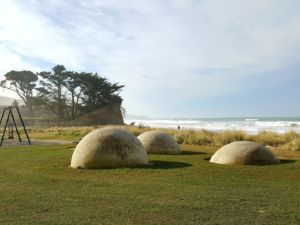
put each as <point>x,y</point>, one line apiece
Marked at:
<point>38,187</point>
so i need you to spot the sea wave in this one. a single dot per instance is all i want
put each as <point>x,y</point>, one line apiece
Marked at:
<point>251,119</point>
<point>250,125</point>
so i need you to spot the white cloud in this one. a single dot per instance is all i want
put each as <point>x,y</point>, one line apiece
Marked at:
<point>168,41</point>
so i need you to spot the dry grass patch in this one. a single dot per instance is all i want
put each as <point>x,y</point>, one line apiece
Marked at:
<point>227,137</point>
<point>287,141</point>
<point>293,145</point>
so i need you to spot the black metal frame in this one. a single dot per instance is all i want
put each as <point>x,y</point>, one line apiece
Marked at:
<point>10,113</point>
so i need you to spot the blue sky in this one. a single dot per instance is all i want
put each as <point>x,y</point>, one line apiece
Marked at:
<point>177,58</point>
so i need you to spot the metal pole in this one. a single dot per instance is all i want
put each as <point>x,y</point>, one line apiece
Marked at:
<point>9,112</point>
<point>13,118</point>
<point>2,115</point>
<point>23,125</point>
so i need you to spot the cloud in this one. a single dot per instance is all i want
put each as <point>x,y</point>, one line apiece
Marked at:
<point>192,50</point>
<point>210,71</point>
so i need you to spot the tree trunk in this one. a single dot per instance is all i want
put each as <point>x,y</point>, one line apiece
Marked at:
<point>77,101</point>
<point>30,108</point>
<point>73,105</point>
<point>59,99</point>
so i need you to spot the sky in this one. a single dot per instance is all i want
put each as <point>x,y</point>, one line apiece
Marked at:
<point>176,58</point>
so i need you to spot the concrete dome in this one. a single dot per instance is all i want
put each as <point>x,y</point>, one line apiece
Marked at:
<point>157,142</point>
<point>244,153</point>
<point>109,148</point>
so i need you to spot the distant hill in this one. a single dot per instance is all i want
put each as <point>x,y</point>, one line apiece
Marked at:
<point>136,117</point>
<point>6,101</point>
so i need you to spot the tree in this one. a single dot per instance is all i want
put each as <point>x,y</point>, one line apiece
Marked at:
<point>63,92</point>
<point>15,103</point>
<point>98,91</point>
<point>23,83</point>
<point>73,85</point>
<point>51,89</point>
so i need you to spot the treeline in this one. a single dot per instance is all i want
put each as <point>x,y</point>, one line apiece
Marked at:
<point>66,94</point>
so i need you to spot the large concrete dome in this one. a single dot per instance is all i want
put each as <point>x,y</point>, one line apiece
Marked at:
<point>157,142</point>
<point>244,153</point>
<point>109,148</point>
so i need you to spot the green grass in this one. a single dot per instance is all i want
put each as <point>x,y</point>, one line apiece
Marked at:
<point>38,187</point>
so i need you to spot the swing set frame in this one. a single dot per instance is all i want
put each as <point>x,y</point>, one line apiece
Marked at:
<point>9,109</point>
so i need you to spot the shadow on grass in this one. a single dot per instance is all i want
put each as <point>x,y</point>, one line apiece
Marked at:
<point>287,161</point>
<point>282,161</point>
<point>71,146</point>
<point>207,158</point>
<point>157,164</point>
<point>153,164</point>
<point>192,153</point>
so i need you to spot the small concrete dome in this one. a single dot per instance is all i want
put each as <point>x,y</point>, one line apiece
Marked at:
<point>244,153</point>
<point>157,142</point>
<point>109,148</point>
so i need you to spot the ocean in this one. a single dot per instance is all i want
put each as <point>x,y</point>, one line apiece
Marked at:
<point>249,125</point>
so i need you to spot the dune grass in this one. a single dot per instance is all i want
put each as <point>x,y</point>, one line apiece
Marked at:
<point>39,187</point>
<point>288,141</point>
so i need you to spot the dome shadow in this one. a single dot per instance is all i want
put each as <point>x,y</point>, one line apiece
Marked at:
<point>287,161</point>
<point>158,164</point>
<point>192,153</point>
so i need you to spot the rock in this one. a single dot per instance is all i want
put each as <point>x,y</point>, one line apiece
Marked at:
<point>157,142</point>
<point>244,153</point>
<point>109,148</point>
<point>110,114</point>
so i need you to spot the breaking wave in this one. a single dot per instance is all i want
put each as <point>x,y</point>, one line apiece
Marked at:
<point>250,125</point>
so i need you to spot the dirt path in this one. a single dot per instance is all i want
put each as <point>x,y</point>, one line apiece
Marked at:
<point>37,142</point>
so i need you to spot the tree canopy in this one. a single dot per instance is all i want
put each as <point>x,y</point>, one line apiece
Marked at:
<point>23,83</point>
<point>65,93</point>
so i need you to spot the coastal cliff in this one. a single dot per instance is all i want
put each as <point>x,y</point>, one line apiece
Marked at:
<point>110,114</point>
